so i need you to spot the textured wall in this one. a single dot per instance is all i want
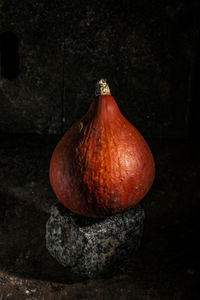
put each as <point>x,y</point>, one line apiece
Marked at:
<point>144,48</point>
<point>32,101</point>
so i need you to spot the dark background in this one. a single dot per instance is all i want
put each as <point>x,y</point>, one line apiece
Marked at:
<point>52,54</point>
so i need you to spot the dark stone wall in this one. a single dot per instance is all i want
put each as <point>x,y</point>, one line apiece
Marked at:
<point>32,101</point>
<point>145,49</point>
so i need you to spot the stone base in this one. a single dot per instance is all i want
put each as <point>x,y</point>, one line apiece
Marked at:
<point>88,247</point>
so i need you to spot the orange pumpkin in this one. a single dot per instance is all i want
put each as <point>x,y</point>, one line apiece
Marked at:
<point>102,165</point>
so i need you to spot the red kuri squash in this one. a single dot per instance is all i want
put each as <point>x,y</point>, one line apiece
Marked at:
<point>102,165</point>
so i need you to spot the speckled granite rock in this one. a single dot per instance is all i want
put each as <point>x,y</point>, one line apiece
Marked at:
<point>89,247</point>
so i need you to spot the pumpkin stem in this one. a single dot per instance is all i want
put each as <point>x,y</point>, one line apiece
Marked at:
<point>102,88</point>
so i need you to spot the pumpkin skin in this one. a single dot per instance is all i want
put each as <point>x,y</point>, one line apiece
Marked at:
<point>102,165</point>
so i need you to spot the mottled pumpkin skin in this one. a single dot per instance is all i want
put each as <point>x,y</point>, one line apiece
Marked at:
<point>102,165</point>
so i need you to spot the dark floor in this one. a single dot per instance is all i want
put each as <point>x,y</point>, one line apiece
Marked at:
<point>167,265</point>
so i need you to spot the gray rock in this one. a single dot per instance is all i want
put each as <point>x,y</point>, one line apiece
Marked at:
<point>89,247</point>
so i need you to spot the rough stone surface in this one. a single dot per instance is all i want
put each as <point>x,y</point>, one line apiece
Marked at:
<point>146,50</point>
<point>89,247</point>
<point>31,102</point>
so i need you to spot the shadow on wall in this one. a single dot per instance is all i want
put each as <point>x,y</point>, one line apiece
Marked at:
<point>22,231</point>
<point>194,120</point>
<point>10,59</point>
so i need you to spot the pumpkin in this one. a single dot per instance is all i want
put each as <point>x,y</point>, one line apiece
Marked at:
<point>102,165</point>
